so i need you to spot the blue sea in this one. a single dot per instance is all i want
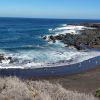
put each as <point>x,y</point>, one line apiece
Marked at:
<point>21,39</point>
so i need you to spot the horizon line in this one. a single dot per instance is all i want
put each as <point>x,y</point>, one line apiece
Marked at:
<point>51,18</point>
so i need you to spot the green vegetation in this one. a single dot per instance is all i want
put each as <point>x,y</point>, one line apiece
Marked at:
<point>97,93</point>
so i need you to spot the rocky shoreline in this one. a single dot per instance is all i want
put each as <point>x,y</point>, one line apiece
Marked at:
<point>88,37</point>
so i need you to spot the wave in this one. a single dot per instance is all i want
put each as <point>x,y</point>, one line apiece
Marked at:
<point>26,47</point>
<point>72,29</point>
<point>63,25</point>
<point>46,58</point>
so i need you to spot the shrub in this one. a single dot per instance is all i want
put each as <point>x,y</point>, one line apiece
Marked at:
<point>16,89</point>
<point>97,93</point>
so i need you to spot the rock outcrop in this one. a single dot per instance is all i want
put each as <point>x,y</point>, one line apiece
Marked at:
<point>89,38</point>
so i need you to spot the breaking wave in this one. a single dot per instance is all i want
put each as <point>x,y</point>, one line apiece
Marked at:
<point>21,41</point>
<point>47,57</point>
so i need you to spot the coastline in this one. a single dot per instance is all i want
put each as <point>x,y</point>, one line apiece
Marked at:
<point>53,71</point>
<point>87,81</point>
<point>80,77</point>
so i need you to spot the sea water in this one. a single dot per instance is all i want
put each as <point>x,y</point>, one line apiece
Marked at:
<point>21,39</point>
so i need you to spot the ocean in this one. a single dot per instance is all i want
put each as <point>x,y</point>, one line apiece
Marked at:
<point>21,39</point>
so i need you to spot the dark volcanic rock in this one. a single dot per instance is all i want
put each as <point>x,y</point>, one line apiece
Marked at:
<point>44,37</point>
<point>94,25</point>
<point>1,57</point>
<point>89,38</point>
<point>52,38</point>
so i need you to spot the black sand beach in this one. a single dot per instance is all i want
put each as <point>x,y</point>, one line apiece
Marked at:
<point>85,82</point>
<point>52,71</point>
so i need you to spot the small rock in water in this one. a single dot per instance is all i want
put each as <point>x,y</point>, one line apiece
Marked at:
<point>5,60</point>
<point>44,37</point>
<point>1,57</point>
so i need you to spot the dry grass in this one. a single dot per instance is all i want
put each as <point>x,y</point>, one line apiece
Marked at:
<point>16,89</point>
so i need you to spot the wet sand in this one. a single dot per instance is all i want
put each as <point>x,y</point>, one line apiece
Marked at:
<point>86,82</point>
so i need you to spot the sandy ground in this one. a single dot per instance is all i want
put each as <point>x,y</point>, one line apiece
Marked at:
<point>87,82</point>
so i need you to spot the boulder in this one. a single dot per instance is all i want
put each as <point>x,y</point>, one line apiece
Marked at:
<point>44,37</point>
<point>1,57</point>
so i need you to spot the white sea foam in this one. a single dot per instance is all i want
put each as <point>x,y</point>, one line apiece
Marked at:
<point>63,25</point>
<point>5,61</point>
<point>72,29</point>
<point>57,43</point>
<point>50,29</point>
<point>50,57</point>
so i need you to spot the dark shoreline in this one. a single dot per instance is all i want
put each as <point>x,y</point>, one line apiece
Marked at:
<point>53,71</point>
<point>85,82</point>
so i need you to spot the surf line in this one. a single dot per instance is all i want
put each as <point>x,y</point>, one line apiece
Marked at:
<point>53,71</point>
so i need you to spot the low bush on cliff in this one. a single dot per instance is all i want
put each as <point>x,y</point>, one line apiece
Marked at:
<point>97,93</point>
<point>16,89</point>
